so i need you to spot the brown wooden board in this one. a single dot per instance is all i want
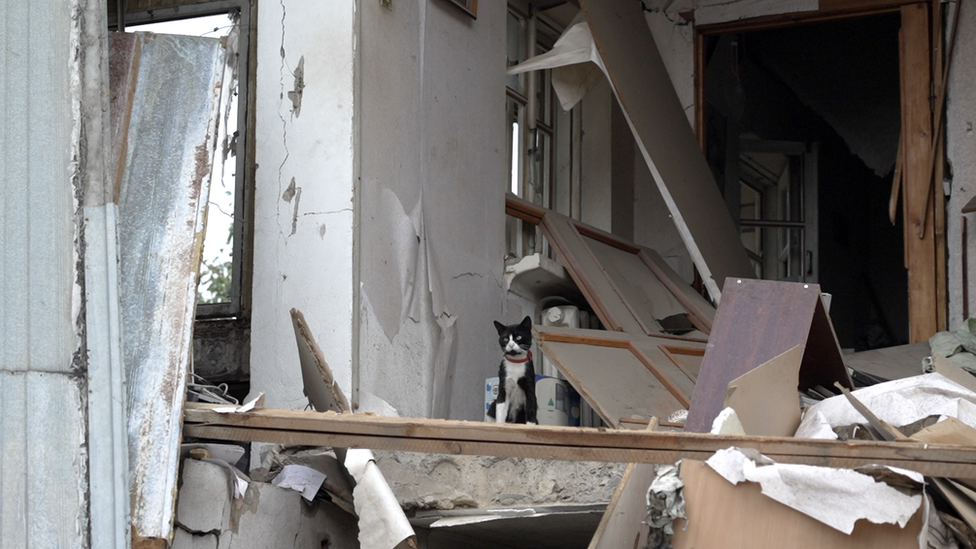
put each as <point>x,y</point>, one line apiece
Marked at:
<point>622,524</point>
<point>563,443</point>
<point>734,516</point>
<point>757,321</point>
<point>666,140</point>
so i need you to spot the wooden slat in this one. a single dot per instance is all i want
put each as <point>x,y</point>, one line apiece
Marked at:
<point>523,209</point>
<point>562,443</point>
<point>917,136</point>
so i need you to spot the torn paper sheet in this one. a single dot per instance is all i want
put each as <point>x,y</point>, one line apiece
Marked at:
<point>835,497</point>
<point>255,402</point>
<point>575,62</point>
<point>300,479</point>
<point>899,402</point>
<point>382,524</point>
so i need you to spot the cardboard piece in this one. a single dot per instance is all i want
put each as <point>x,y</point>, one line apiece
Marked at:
<point>765,399</point>
<point>739,516</point>
<point>948,431</point>
<point>757,321</point>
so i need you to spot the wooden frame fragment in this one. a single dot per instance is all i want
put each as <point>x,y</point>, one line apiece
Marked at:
<point>622,376</point>
<point>563,443</point>
<point>629,286</point>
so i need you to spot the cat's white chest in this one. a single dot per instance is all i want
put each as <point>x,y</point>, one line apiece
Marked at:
<point>516,396</point>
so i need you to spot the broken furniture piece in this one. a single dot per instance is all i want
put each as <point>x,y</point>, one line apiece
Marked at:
<point>615,38</point>
<point>622,375</point>
<point>757,321</point>
<point>629,287</point>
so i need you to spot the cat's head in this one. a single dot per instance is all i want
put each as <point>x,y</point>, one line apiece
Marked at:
<point>515,339</point>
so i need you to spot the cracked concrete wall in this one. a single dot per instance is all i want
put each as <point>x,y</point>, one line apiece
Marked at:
<point>432,187</point>
<point>303,215</point>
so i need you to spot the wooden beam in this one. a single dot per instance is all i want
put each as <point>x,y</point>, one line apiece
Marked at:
<point>826,11</point>
<point>523,209</point>
<point>917,135</point>
<point>561,443</point>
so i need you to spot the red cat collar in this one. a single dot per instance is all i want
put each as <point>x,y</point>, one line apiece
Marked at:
<point>527,358</point>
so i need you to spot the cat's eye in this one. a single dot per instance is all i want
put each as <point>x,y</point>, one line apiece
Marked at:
<point>518,338</point>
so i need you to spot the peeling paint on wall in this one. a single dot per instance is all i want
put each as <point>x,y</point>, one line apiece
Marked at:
<point>295,95</point>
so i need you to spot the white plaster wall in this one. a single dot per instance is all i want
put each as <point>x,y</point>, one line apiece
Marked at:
<point>432,183</point>
<point>961,149</point>
<point>302,239</point>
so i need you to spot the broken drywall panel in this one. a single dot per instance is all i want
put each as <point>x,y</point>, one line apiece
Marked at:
<point>185,540</point>
<point>382,523</point>
<point>740,516</point>
<point>205,497</point>
<point>709,12</point>
<point>666,141</point>
<point>320,385</point>
<point>765,399</point>
<point>899,402</point>
<point>169,143</point>
<point>757,321</point>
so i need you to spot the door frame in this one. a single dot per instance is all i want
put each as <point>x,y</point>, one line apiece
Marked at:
<point>923,209</point>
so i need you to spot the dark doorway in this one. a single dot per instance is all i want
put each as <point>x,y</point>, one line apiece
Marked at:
<point>802,126</point>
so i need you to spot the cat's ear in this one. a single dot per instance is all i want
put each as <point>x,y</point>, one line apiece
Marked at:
<point>526,323</point>
<point>500,327</point>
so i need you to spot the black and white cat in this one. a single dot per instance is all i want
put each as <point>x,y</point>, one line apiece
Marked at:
<point>516,401</point>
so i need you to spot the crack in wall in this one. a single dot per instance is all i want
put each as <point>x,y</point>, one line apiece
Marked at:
<point>284,123</point>
<point>329,212</point>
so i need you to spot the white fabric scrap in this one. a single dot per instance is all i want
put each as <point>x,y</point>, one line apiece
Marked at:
<point>382,524</point>
<point>301,479</point>
<point>899,402</point>
<point>835,497</point>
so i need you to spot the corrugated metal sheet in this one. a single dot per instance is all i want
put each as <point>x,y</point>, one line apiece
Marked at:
<point>42,458</point>
<point>164,188</point>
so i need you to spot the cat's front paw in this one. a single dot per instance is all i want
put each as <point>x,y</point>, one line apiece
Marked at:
<point>530,423</point>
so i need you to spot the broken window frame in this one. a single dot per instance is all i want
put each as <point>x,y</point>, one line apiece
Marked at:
<point>239,301</point>
<point>535,178</point>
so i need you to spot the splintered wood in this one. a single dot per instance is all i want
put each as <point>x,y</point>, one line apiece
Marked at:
<point>562,443</point>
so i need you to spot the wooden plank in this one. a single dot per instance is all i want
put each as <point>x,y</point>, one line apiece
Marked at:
<point>739,516</point>
<point>757,321</point>
<point>953,372</point>
<point>917,134</point>
<point>622,523</point>
<point>666,140</point>
<point>563,443</point>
